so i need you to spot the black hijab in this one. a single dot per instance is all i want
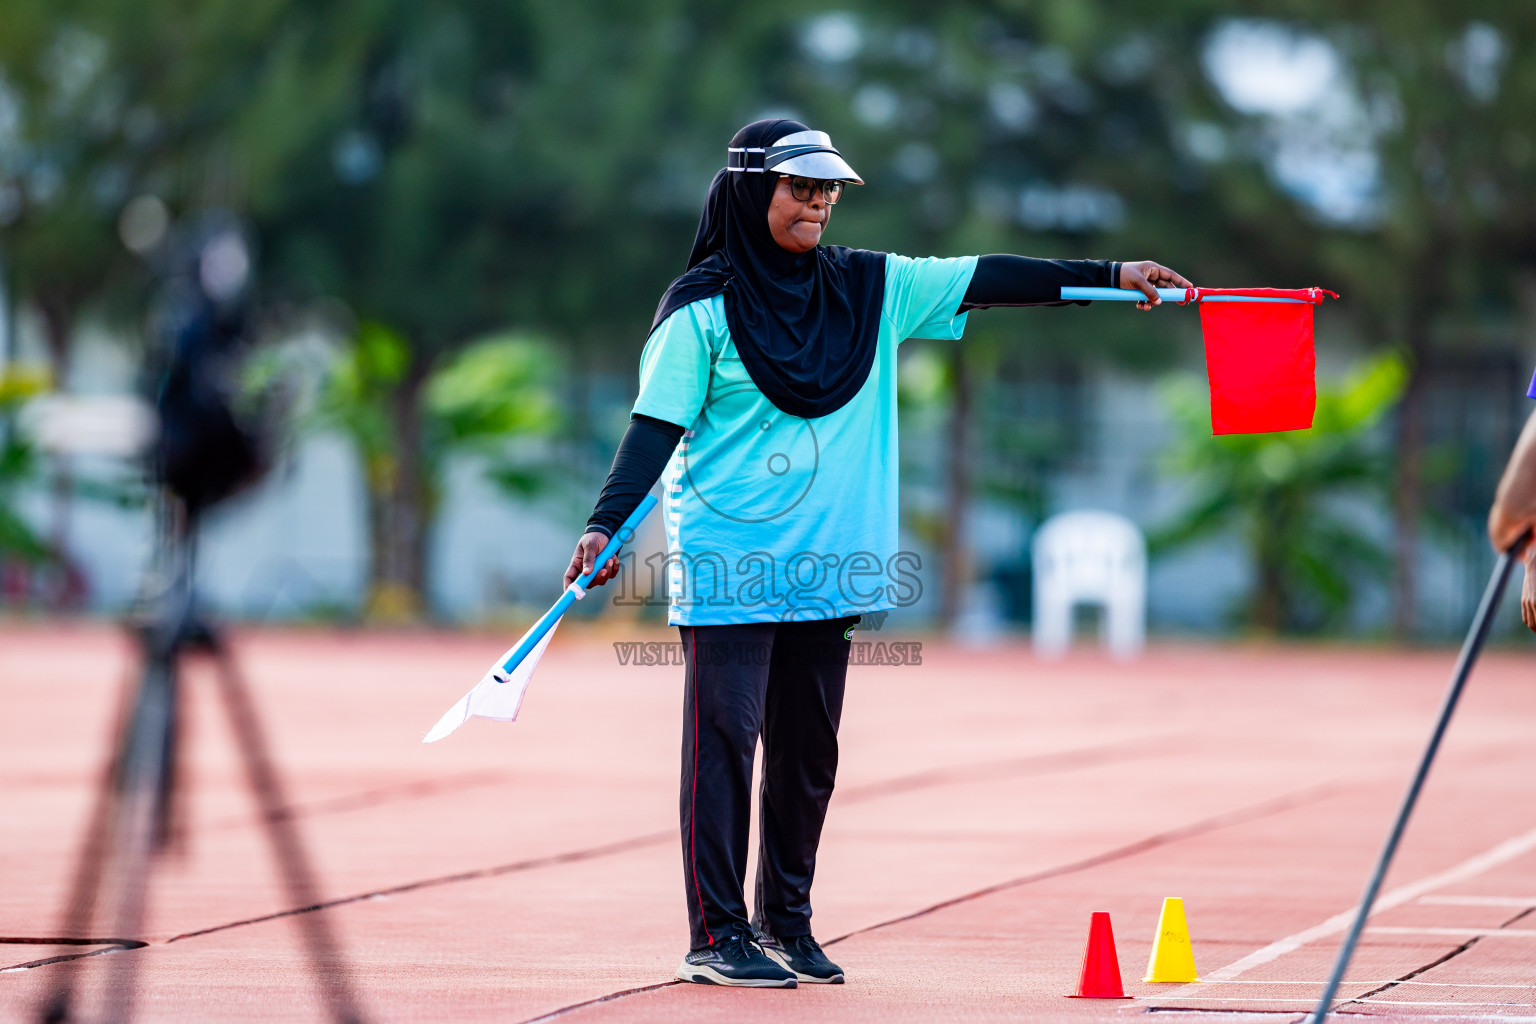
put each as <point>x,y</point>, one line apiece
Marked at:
<point>805,324</point>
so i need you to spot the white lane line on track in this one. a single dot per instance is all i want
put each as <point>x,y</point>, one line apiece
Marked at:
<point>1168,1012</point>
<point>1390,981</point>
<point>1386,1002</point>
<point>1229,999</point>
<point>1470,868</point>
<point>1443,1002</point>
<point>1464,984</point>
<point>1315,984</point>
<point>1479,901</point>
<point>1377,1002</point>
<point>1504,933</point>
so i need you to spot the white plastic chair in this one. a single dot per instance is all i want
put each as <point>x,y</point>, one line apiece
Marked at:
<point>1090,558</point>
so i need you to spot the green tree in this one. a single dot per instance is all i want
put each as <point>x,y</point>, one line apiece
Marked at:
<point>1281,493</point>
<point>101,104</point>
<point>492,399</point>
<point>18,541</point>
<point>60,186</point>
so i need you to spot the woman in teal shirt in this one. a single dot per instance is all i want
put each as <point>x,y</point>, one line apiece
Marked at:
<point>773,362</point>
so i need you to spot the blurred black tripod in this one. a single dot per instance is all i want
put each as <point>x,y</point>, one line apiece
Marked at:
<point>131,821</point>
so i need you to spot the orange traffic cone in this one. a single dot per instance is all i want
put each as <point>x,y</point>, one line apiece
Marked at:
<point>1101,967</point>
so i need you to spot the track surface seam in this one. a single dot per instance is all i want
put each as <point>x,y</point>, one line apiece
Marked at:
<point>1509,849</point>
<point>109,946</point>
<point>376,797</point>
<point>1453,954</point>
<point>532,863</point>
<point>1024,767</point>
<point>1214,823</point>
<point>1238,817</point>
<point>1018,767</point>
<point>1009,768</point>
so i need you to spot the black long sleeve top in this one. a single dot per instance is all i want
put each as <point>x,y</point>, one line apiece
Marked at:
<point>643,453</point>
<point>1003,280</point>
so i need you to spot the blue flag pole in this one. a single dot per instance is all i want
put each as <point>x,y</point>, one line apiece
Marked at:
<point>1166,294</point>
<point>623,535</point>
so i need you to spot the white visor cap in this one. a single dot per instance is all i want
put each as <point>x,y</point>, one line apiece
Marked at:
<point>807,154</point>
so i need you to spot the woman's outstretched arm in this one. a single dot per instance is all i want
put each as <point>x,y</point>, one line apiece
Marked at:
<point>642,456</point>
<point>1003,280</point>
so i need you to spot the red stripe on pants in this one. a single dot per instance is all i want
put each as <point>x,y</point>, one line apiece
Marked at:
<point>693,810</point>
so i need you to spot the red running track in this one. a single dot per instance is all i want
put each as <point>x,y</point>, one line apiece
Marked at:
<point>987,804</point>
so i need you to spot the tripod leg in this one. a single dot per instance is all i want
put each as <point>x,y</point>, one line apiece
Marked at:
<point>325,954</point>
<point>137,825</point>
<point>103,850</point>
<point>81,906</point>
<point>1470,648</point>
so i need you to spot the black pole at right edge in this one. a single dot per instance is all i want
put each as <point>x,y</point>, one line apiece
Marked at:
<point>1470,648</point>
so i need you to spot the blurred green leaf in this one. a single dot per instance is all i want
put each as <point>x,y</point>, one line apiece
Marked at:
<point>18,466</point>
<point>496,388</point>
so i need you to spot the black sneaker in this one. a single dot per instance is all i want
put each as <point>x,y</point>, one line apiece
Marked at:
<point>804,957</point>
<point>735,960</point>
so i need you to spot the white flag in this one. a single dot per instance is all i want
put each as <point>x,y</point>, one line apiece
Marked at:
<point>497,697</point>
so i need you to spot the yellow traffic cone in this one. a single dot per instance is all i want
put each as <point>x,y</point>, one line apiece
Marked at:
<point>1172,959</point>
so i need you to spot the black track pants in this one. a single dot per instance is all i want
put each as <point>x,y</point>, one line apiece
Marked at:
<point>782,681</point>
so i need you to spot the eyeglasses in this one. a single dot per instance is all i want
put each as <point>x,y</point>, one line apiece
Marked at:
<point>804,188</point>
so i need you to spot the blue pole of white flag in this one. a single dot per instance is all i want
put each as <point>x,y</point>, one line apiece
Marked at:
<point>499,694</point>
<point>623,535</point>
<point>1166,294</point>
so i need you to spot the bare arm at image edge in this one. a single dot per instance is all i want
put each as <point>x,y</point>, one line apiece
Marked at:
<point>1514,506</point>
<point>1514,511</point>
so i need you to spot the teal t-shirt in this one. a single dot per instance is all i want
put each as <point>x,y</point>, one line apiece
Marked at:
<point>770,517</point>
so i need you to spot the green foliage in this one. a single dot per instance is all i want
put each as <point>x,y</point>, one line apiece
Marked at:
<point>494,398</point>
<point>102,101</point>
<point>61,168</point>
<point>496,388</point>
<point>1282,492</point>
<point>487,398</point>
<point>17,466</point>
<point>356,400</point>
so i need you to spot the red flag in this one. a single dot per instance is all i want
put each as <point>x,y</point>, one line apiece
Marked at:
<point>1260,360</point>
